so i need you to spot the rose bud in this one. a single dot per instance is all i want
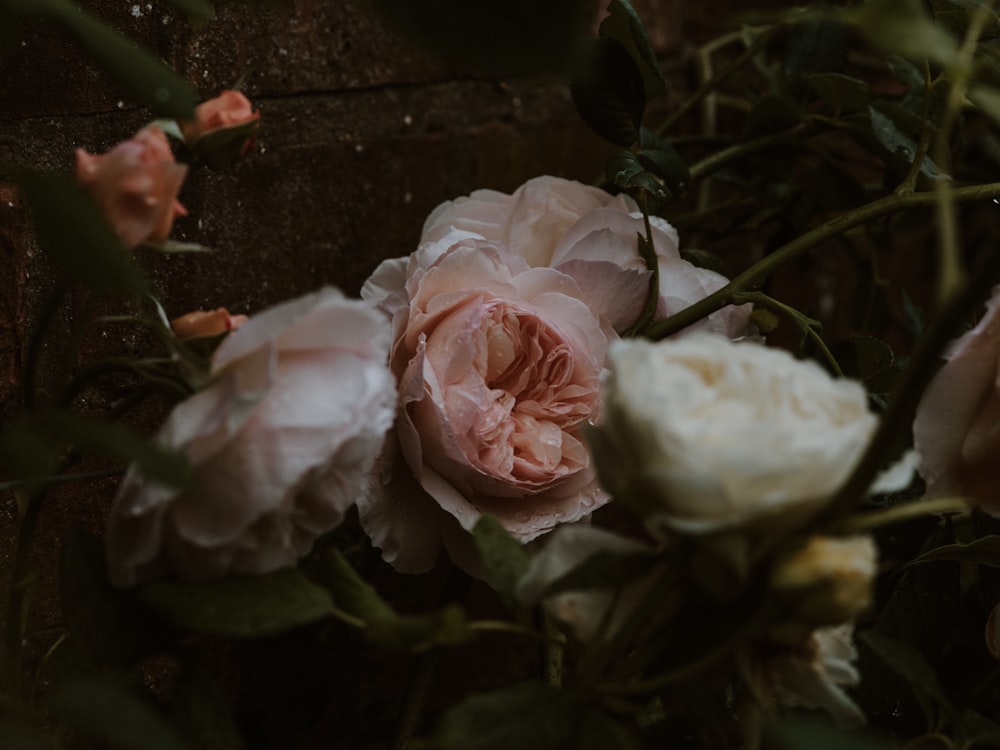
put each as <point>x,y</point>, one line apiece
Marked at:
<point>229,110</point>
<point>827,581</point>
<point>202,323</point>
<point>135,185</point>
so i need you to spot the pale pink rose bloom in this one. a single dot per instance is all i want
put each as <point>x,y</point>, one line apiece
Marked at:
<point>228,109</point>
<point>498,366</point>
<point>590,235</point>
<point>135,185</point>
<point>281,443</point>
<point>957,428</point>
<point>205,323</point>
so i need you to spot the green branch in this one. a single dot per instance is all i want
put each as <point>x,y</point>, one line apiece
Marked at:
<point>753,277</point>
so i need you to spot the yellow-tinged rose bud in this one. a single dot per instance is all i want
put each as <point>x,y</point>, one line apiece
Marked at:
<point>827,581</point>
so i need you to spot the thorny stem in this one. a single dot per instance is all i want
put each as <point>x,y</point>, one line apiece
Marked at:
<point>754,276</point>
<point>456,586</point>
<point>913,380</point>
<point>875,519</point>
<point>804,323</point>
<point>34,349</point>
<point>950,270</point>
<point>709,86</point>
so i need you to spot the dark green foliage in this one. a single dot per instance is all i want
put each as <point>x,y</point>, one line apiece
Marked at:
<point>503,557</point>
<point>151,82</point>
<point>77,235</point>
<point>245,606</point>
<point>608,90</point>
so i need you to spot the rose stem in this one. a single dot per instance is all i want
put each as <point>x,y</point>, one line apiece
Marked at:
<point>754,276</point>
<point>455,588</point>
<point>912,382</point>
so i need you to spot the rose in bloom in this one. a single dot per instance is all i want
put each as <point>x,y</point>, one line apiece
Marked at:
<point>590,235</point>
<point>957,428</point>
<point>135,185</point>
<point>205,323</point>
<point>228,109</point>
<point>704,434</point>
<point>498,366</point>
<point>281,443</point>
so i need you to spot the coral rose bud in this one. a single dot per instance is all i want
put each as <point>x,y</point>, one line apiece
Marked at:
<point>135,185</point>
<point>202,323</point>
<point>228,109</point>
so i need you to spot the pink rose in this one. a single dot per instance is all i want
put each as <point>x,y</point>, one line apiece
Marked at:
<point>281,443</point>
<point>590,235</point>
<point>498,366</point>
<point>228,109</point>
<point>957,428</point>
<point>205,323</point>
<point>135,184</point>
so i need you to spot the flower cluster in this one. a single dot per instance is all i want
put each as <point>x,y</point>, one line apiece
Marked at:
<point>135,184</point>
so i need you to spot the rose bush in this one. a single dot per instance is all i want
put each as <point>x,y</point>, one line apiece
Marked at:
<point>280,442</point>
<point>590,235</point>
<point>957,427</point>
<point>228,109</point>
<point>498,366</point>
<point>135,185</point>
<point>705,434</point>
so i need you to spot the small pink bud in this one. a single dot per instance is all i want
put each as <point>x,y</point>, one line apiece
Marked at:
<point>201,323</point>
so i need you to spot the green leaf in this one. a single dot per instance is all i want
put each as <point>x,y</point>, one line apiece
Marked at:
<point>907,662</point>
<point>19,735</point>
<point>607,89</point>
<point>100,709</point>
<point>625,27</point>
<point>816,47</point>
<point>798,734</point>
<point>144,75</point>
<point>71,228</point>
<point>527,716</point>
<point>383,625</point>
<point>842,93</point>
<point>663,160</point>
<point>957,17</point>
<point>197,11</point>
<point>903,28</point>
<point>987,99</point>
<point>26,453</point>
<point>446,627</point>
<point>105,624</point>
<point>156,461</point>
<point>201,715</point>
<point>625,170</point>
<point>983,551</point>
<point>603,570</point>
<point>220,148</point>
<point>245,606</point>
<point>503,557</point>
<point>601,732</point>
<point>898,143</point>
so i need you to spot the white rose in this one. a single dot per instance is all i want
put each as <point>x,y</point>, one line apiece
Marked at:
<point>707,434</point>
<point>281,442</point>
